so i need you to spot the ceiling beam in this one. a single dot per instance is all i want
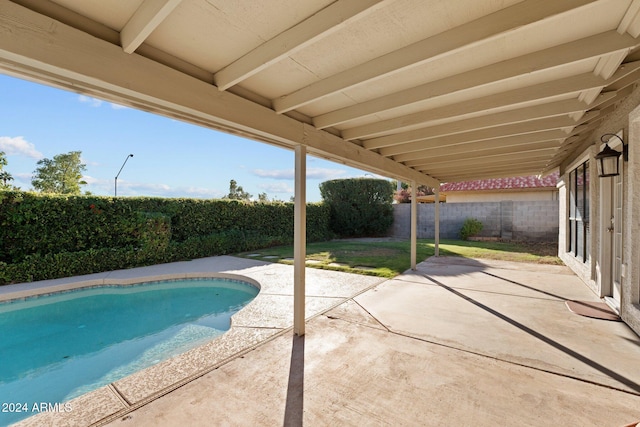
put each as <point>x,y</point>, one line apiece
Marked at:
<point>468,171</point>
<point>325,22</point>
<point>501,173</point>
<point>507,19</point>
<point>447,160</point>
<point>579,148</point>
<point>507,171</point>
<point>491,120</point>
<point>537,92</point>
<point>47,50</point>
<point>567,53</point>
<point>554,123</point>
<point>444,163</point>
<point>482,149</point>
<point>146,18</point>
<point>501,162</point>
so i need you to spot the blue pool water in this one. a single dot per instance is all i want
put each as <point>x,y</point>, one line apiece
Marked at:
<point>54,348</point>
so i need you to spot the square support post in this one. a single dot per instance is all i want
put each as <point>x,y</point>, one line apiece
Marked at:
<point>436,237</point>
<point>414,225</point>
<point>299,239</point>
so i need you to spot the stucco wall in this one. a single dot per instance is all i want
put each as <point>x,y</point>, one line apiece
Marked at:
<point>527,220</point>
<point>626,117</point>
<point>631,285</point>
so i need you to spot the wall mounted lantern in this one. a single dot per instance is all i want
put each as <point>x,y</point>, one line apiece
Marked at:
<point>607,159</point>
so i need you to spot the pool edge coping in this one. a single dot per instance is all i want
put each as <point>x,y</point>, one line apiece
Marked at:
<point>111,414</point>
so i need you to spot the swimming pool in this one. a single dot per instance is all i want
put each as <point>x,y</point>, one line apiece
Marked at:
<point>59,346</point>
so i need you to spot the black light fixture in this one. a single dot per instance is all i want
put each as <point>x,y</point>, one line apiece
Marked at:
<point>607,159</point>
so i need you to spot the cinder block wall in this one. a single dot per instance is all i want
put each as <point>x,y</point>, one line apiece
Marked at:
<point>519,220</point>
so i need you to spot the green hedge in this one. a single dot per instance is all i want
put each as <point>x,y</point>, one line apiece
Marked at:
<point>51,236</point>
<point>359,207</point>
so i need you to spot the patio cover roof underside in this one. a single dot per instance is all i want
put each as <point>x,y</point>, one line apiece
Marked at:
<point>421,90</point>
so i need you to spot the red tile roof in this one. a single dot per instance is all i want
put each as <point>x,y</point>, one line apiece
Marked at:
<point>516,182</point>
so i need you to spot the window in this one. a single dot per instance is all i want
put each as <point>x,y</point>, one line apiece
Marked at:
<point>579,235</point>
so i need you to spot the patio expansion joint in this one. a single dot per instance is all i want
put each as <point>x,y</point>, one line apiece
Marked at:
<point>372,316</point>
<point>119,395</point>
<point>511,362</point>
<point>152,397</point>
<point>635,388</point>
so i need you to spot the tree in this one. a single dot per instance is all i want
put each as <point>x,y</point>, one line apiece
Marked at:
<point>61,175</point>
<point>236,192</point>
<point>359,206</point>
<point>262,197</point>
<point>4,175</point>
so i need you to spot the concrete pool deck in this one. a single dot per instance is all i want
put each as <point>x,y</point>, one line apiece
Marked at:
<point>457,342</point>
<point>268,315</point>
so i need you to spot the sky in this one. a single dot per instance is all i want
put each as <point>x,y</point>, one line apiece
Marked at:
<point>170,158</point>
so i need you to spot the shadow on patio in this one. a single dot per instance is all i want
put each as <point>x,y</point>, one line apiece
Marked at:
<point>453,343</point>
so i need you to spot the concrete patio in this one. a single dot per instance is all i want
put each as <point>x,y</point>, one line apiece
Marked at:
<point>457,342</point>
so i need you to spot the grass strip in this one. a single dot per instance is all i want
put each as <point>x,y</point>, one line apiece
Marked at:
<point>388,258</point>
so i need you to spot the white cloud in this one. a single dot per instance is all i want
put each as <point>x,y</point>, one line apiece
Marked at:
<point>276,187</point>
<point>128,188</point>
<point>324,173</point>
<point>18,146</point>
<point>164,190</point>
<point>275,173</point>
<point>93,102</point>
<point>22,178</point>
<point>289,174</point>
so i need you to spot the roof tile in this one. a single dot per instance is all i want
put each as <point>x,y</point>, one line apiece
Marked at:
<point>516,182</point>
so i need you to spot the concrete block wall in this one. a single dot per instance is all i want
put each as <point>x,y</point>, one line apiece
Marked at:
<point>536,220</point>
<point>520,220</point>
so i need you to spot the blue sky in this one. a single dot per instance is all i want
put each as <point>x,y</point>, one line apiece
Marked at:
<point>170,158</point>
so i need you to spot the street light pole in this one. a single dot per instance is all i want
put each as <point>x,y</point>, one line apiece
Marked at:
<point>116,180</point>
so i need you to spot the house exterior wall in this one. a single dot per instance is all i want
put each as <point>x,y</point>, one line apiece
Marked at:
<point>497,196</point>
<point>630,304</point>
<point>596,272</point>
<point>527,220</point>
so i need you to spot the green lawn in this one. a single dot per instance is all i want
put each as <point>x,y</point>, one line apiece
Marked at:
<point>390,258</point>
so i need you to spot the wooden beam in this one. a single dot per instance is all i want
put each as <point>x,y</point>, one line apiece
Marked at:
<point>493,174</point>
<point>146,18</point>
<point>567,53</point>
<point>518,129</point>
<point>47,50</point>
<point>490,161</point>
<point>507,19</point>
<point>436,219</point>
<point>414,225</point>
<point>479,150</point>
<point>327,21</point>
<point>299,240</point>
<point>542,111</point>
<point>538,92</point>
<point>471,172</point>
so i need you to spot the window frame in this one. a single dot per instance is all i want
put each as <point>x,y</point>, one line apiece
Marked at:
<point>578,219</point>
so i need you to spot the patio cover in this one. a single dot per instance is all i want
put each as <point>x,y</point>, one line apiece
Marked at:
<point>425,91</point>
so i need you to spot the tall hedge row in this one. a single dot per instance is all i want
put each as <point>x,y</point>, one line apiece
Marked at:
<point>49,236</point>
<point>359,207</point>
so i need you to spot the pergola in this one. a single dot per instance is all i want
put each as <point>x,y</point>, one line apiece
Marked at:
<point>425,91</point>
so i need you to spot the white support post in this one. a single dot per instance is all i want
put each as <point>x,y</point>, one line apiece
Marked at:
<point>437,222</point>
<point>414,225</point>
<point>300,239</point>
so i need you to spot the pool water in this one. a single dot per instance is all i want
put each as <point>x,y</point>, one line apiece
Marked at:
<point>54,348</point>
